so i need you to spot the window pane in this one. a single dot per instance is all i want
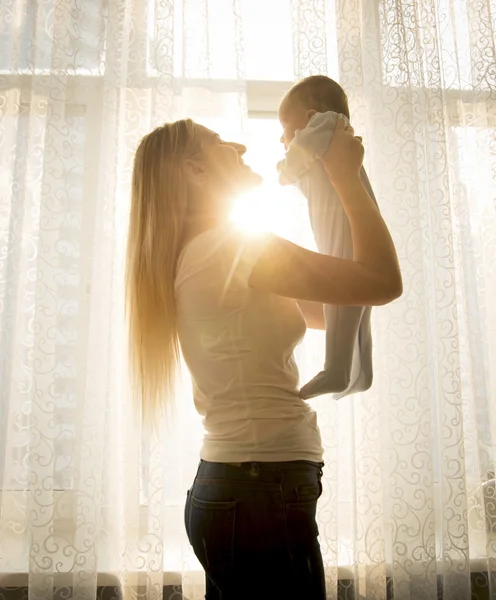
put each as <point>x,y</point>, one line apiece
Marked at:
<point>40,37</point>
<point>268,39</point>
<point>445,49</point>
<point>211,40</point>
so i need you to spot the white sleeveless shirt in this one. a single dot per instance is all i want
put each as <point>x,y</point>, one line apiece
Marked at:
<point>238,345</point>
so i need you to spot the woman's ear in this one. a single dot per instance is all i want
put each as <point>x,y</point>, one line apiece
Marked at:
<point>195,171</point>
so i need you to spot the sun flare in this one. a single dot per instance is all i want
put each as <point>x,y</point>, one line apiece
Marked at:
<point>260,210</point>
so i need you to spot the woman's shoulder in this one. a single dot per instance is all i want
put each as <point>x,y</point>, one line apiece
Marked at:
<point>226,248</point>
<point>223,241</point>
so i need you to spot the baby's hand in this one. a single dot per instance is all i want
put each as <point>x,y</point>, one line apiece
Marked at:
<point>343,159</point>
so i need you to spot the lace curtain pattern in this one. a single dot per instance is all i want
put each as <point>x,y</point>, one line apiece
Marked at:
<point>408,507</point>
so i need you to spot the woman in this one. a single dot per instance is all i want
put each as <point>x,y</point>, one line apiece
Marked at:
<point>229,300</point>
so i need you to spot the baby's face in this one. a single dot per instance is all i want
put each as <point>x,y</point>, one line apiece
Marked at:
<point>292,116</point>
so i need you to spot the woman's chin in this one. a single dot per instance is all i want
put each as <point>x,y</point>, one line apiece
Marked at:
<point>245,182</point>
<point>250,181</point>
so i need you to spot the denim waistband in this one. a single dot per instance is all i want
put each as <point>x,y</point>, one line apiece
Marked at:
<point>212,470</point>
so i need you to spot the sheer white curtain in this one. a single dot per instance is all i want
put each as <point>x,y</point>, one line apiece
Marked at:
<point>81,82</point>
<point>84,499</point>
<point>415,450</point>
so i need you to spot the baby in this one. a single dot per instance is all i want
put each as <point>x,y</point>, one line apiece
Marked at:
<point>308,115</point>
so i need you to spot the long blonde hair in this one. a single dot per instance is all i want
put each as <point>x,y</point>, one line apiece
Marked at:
<point>156,230</point>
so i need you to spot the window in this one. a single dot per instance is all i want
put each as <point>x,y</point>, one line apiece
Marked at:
<point>27,43</point>
<point>411,39</point>
<point>176,48</point>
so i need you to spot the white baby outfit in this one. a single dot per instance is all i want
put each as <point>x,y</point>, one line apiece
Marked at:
<point>348,361</point>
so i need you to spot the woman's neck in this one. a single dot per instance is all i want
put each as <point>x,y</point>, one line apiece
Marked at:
<point>196,225</point>
<point>206,211</point>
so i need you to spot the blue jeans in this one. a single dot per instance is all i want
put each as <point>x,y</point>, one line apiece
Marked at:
<point>252,527</point>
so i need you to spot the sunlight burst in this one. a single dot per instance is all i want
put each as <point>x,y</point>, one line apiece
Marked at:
<point>259,210</point>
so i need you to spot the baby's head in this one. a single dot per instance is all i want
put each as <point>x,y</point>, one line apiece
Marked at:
<point>313,94</point>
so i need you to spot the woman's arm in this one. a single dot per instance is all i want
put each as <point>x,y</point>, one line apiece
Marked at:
<point>313,313</point>
<point>373,277</point>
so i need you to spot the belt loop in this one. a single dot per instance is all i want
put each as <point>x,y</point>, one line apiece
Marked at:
<point>255,469</point>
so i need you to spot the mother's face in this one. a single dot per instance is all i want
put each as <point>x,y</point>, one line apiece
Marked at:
<point>220,164</point>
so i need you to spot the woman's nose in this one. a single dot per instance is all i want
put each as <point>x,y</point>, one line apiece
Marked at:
<point>240,149</point>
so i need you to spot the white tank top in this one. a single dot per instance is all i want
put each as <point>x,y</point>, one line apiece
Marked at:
<point>238,345</point>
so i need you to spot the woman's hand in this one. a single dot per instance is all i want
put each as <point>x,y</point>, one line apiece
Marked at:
<point>343,159</point>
